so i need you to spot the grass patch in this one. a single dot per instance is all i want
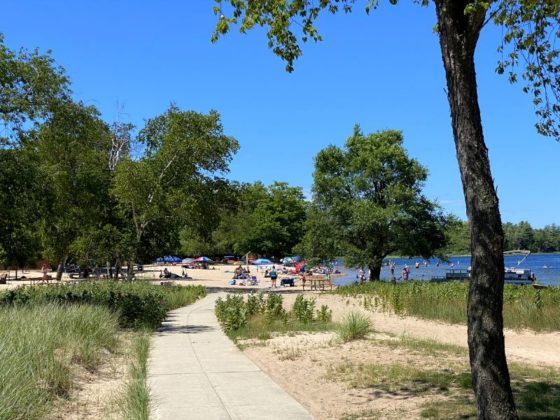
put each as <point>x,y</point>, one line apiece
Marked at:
<point>354,325</point>
<point>137,396</point>
<point>39,345</point>
<point>524,307</point>
<point>425,347</point>
<point>397,377</point>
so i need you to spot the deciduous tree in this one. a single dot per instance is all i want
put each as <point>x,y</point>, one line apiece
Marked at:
<point>371,192</point>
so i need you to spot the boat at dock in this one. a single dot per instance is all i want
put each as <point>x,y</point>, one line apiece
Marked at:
<point>514,276</point>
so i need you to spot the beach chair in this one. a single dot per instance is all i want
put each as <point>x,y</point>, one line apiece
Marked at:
<point>253,281</point>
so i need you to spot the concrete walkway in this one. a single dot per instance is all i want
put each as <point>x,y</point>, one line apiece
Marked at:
<point>196,372</point>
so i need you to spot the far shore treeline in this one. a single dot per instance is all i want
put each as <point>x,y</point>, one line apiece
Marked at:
<point>74,187</point>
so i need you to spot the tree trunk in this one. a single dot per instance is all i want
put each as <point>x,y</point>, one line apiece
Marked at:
<point>458,33</point>
<point>129,270</point>
<point>374,272</point>
<point>60,268</point>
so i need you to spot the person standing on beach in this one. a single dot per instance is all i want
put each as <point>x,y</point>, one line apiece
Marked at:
<point>45,271</point>
<point>273,276</point>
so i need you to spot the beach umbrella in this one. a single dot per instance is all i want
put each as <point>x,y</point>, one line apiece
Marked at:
<point>187,260</point>
<point>175,259</point>
<point>159,259</point>
<point>262,261</point>
<point>203,259</point>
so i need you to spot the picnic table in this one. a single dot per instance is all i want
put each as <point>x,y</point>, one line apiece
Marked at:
<point>318,282</point>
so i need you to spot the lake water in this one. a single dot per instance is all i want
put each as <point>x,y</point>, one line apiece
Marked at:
<point>546,268</point>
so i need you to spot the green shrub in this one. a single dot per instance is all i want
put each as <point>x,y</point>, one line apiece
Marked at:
<point>303,309</point>
<point>258,317</point>
<point>354,325</point>
<point>255,304</point>
<point>273,306</point>
<point>324,314</point>
<point>139,304</point>
<point>231,313</point>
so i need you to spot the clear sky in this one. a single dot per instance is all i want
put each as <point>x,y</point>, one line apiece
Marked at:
<point>380,71</point>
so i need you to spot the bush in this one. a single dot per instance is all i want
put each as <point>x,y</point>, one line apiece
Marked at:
<point>231,313</point>
<point>354,325</point>
<point>138,304</point>
<point>324,314</point>
<point>303,309</point>
<point>258,317</point>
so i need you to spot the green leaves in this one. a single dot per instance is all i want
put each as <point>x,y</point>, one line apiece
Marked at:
<point>529,52</point>
<point>370,196</point>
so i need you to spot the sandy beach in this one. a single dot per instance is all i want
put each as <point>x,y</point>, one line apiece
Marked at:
<point>305,364</point>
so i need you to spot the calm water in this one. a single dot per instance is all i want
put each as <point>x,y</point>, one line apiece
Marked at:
<point>546,268</point>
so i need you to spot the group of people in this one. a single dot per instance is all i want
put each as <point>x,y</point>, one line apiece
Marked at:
<point>241,273</point>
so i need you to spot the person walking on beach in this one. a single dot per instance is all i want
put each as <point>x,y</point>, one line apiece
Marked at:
<point>273,276</point>
<point>45,271</point>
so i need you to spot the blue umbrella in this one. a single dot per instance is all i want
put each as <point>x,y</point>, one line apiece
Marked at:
<point>262,261</point>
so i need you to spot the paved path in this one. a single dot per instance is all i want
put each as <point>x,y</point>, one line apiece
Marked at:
<point>196,372</point>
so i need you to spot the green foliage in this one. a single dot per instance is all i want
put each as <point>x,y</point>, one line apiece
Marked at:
<point>269,220</point>
<point>370,197</point>
<point>183,152</point>
<point>354,325</point>
<point>530,49</point>
<point>72,148</point>
<point>40,343</point>
<point>324,314</point>
<point>29,85</point>
<point>259,316</point>
<point>303,309</point>
<point>138,304</point>
<point>231,313</point>
<point>524,307</point>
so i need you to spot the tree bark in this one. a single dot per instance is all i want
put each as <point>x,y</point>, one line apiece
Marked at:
<point>60,268</point>
<point>374,272</point>
<point>458,33</point>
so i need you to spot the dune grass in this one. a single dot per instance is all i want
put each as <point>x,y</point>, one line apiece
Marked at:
<point>38,346</point>
<point>137,397</point>
<point>524,307</point>
<point>46,331</point>
<point>354,325</point>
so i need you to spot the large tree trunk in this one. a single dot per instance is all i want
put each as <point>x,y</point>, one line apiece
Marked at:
<point>458,34</point>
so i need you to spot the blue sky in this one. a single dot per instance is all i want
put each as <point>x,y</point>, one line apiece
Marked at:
<point>381,71</point>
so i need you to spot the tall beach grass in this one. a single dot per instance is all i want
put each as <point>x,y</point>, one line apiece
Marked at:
<point>38,346</point>
<point>524,307</point>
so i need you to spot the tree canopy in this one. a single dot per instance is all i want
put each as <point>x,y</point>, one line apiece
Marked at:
<point>371,192</point>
